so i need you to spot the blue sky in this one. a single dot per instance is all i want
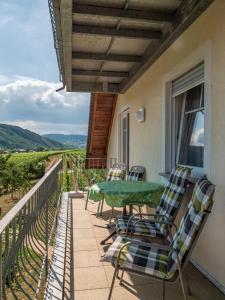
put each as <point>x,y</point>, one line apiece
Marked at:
<point>29,73</point>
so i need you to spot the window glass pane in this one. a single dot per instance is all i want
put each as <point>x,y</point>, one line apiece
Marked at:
<point>193,98</point>
<point>192,140</point>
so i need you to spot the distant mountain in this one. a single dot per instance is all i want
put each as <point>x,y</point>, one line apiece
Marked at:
<point>69,140</point>
<point>14,137</point>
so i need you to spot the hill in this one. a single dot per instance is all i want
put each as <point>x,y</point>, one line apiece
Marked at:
<point>69,140</point>
<point>15,138</point>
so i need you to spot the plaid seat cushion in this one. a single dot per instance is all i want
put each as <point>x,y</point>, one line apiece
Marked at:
<point>136,257</point>
<point>172,195</point>
<point>135,176</point>
<point>143,227</point>
<point>152,260</point>
<point>191,221</point>
<point>116,174</point>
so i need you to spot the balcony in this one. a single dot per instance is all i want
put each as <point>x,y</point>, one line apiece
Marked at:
<point>50,249</point>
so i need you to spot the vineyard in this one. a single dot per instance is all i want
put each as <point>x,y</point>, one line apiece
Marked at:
<point>20,171</point>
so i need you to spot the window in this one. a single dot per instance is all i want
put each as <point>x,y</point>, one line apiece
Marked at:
<point>190,145</point>
<point>188,121</point>
<point>124,137</point>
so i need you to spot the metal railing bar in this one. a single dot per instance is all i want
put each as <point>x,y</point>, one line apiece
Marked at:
<point>15,210</point>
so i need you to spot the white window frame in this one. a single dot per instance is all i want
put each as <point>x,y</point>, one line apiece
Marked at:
<point>203,53</point>
<point>122,115</point>
<point>196,170</point>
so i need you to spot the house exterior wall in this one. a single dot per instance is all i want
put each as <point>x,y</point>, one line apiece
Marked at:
<point>205,37</point>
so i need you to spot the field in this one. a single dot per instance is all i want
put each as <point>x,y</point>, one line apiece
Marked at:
<point>20,171</point>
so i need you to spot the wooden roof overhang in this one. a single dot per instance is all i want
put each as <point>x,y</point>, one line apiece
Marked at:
<point>106,45</point>
<point>101,114</point>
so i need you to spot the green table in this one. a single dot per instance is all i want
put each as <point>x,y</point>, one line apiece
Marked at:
<point>122,193</point>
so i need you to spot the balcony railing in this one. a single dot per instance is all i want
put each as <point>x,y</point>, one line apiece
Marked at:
<point>26,239</point>
<point>86,171</point>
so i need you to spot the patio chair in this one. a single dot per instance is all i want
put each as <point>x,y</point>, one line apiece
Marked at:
<point>162,262</point>
<point>140,224</point>
<point>136,173</point>
<point>116,172</point>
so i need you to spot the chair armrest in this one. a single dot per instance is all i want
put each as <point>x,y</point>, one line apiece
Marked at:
<point>168,223</point>
<point>131,224</point>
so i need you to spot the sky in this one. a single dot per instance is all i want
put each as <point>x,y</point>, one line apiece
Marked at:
<point>29,73</point>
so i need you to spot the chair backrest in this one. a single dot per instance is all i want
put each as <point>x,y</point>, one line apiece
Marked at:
<point>192,223</point>
<point>172,195</point>
<point>117,172</point>
<point>136,173</point>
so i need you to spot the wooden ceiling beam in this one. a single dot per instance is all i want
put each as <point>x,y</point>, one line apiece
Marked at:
<point>104,57</point>
<point>95,87</point>
<point>99,73</point>
<point>186,14</point>
<point>113,32</point>
<point>119,13</point>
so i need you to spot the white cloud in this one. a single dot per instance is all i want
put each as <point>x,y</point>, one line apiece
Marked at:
<point>197,138</point>
<point>26,100</point>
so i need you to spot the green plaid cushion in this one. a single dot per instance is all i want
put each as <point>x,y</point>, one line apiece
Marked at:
<point>135,176</point>
<point>116,174</point>
<point>172,194</point>
<point>136,257</point>
<point>162,263</point>
<point>168,206</point>
<point>201,199</point>
<point>144,226</point>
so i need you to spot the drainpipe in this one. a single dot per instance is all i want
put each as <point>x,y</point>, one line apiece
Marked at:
<point>61,88</point>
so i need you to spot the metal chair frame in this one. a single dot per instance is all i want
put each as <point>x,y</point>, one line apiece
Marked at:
<point>141,215</point>
<point>121,166</point>
<point>180,264</point>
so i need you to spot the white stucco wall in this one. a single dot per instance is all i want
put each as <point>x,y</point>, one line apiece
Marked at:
<point>147,139</point>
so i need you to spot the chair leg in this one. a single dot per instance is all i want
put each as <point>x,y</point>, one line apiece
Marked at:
<point>98,210</point>
<point>140,212</point>
<point>112,211</point>
<point>182,283</point>
<point>101,207</point>
<point>121,278</point>
<point>108,237</point>
<point>113,281</point>
<point>86,204</point>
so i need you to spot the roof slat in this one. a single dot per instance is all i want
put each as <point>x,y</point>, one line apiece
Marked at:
<point>99,73</point>
<point>113,32</point>
<point>119,13</point>
<point>105,57</point>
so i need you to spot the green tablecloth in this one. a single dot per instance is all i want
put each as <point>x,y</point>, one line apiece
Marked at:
<point>122,193</point>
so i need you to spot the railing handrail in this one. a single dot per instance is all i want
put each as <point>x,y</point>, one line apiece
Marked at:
<point>5,221</point>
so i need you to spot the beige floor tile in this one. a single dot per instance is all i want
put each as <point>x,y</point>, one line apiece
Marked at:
<point>83,233</point>
<point>79,206</point>
<point>82,224</point>
<point>99,294</point>
<point>90,278</point>
<point>101,232</point>
<point>83,259</point>
<point>105,263</point>
<point>128,278</point>
<point>81,217</point>
<point>78,213</point>
<point>85,244</point>
<point>141,292</point>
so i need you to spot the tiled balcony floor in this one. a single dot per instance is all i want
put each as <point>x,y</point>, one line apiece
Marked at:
<point>91,279</point>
